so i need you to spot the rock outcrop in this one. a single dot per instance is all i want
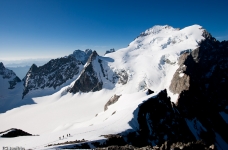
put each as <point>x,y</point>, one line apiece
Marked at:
<point>14,133</point>
<point>180,80</point>
<point>111,101</point>
<point>89,79</point>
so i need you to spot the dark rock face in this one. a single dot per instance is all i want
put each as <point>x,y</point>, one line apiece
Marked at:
<point>53,74</point>
<point>159,120</point>
<point>114,139</point>
<point>88,80</point>
<point>162,123</point>
<point>149,91</point>
<point>111,101</point>
<point>10,75</point>
<point>14,133</point>
<point>96,74</point>
<point>203,87</point>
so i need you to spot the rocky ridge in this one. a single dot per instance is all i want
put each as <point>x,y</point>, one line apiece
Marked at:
<point>97,75</point>
<point>89,80</point>
<point>56,72</point>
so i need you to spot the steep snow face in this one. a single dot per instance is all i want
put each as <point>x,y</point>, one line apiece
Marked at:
<point>151,59</point>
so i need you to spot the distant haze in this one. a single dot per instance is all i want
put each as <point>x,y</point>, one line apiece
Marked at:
<point>21,67</point>
<point>25,62</point>
<point>20,71</point>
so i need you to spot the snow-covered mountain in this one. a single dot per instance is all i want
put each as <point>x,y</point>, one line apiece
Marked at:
<point>41,81</point>
<point>148,62</point>
<point>168,85</point>
<point>55,73</point>
<point>98,75</point>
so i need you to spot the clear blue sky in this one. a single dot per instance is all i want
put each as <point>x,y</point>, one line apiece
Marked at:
<point>54,28</point>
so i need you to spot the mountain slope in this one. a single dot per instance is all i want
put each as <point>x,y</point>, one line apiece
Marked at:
<point>151,59</point>
<point>178,60</point>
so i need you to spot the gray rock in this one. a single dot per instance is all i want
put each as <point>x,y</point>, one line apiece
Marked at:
<point>111,101</point>
<point>88,80</point>
<point>180,80</point>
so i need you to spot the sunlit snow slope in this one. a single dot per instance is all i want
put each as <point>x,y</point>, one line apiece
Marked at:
<point>149,61</point>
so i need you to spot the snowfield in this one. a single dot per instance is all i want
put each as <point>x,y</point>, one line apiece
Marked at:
<point>150,62</point>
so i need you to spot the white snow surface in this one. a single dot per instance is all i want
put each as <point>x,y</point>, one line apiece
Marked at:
<point>58,114</point>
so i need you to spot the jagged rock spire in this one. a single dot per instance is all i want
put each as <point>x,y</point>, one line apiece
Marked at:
<point>2,66</point>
